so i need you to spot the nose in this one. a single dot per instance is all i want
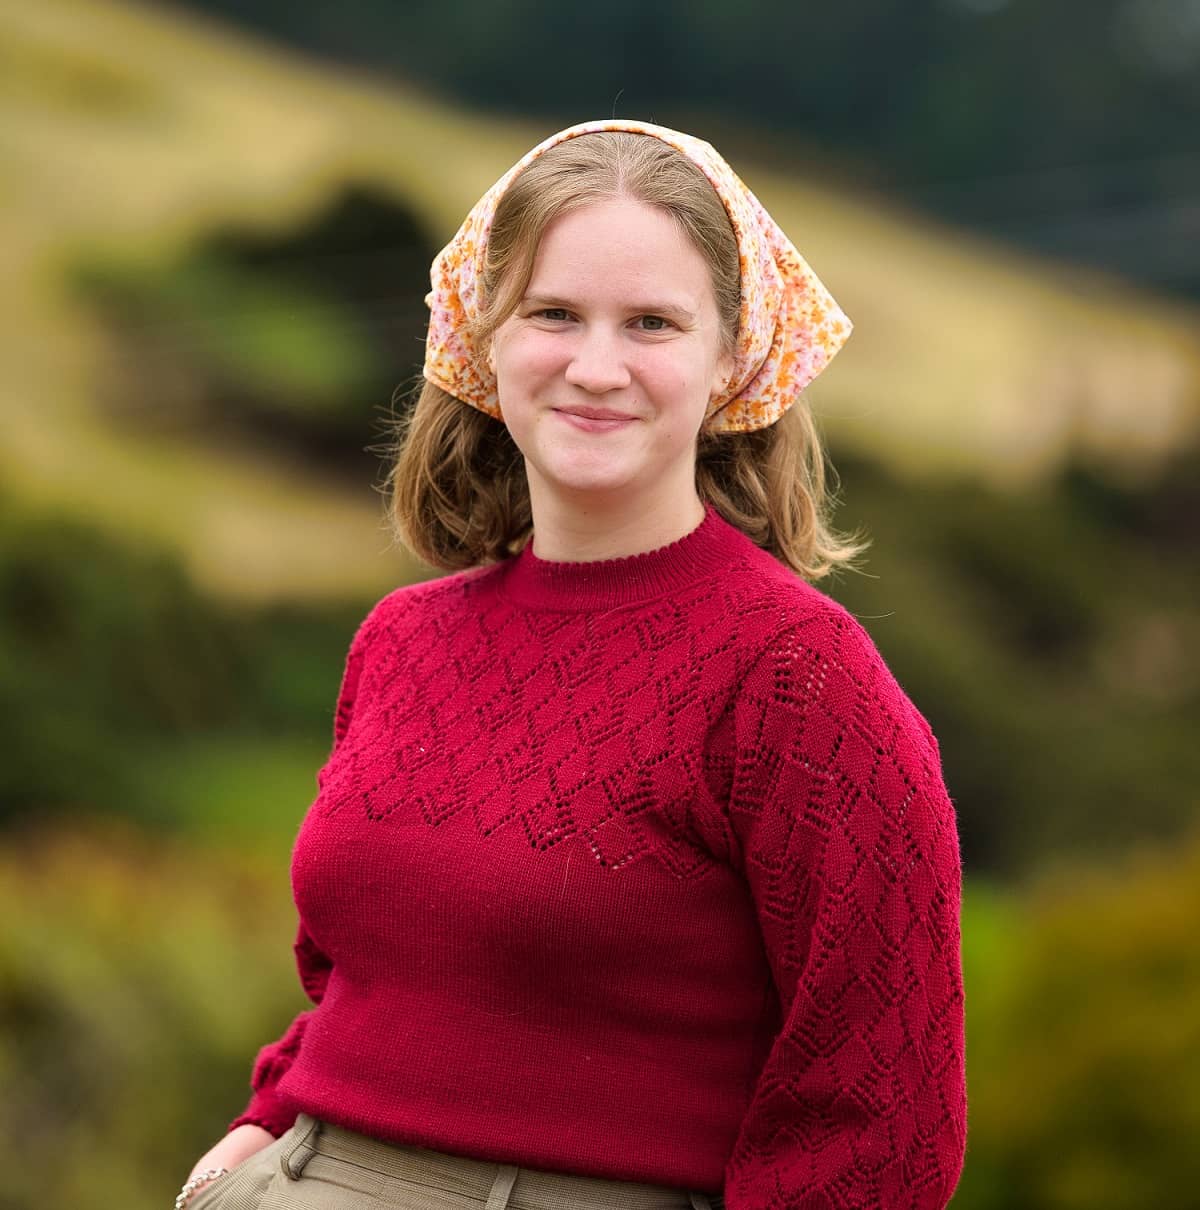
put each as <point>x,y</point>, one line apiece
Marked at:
<point>597,362</point>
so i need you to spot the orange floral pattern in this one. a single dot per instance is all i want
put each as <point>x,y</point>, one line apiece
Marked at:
<point>788,330</point>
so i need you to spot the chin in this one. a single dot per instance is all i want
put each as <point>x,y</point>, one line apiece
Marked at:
<point>592,478</point>
<point>597,487</point>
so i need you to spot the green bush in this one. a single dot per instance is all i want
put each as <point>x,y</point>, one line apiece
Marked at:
<point>138,978</point>
<point>110,658</point>
<point>1083,1041</point>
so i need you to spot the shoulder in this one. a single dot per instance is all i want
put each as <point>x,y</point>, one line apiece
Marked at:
<point>779,612</point>
<point>809,655</point>
<point>412,605</point>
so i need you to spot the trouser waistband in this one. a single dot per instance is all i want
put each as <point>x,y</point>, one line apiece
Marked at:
<point>501,1187</point>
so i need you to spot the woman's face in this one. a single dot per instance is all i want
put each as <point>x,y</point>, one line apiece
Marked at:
<point>606,368</point>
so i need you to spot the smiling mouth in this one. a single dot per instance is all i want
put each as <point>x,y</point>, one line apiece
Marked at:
<point>594,414</point>
<point>601,423</point>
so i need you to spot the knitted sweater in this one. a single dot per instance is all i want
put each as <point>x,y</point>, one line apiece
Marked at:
<point>640,868</point>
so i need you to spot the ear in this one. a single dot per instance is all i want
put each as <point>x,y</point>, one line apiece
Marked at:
<point>722,372</point>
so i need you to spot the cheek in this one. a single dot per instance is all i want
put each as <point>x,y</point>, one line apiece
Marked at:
<point>680,384</point>
<point>524,358</point>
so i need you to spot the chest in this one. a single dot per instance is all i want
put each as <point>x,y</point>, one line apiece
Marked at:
<point>613,732</point>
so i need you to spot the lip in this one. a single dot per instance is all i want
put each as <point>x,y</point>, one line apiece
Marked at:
<point>595,420</point>
<point>595,413</point>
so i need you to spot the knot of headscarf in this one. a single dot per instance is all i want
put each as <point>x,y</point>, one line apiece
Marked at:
<point>789,326</point>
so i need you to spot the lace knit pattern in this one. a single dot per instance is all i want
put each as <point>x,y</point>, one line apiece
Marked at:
<point>762,944</point>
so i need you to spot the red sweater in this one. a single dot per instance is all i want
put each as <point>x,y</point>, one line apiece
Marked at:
<point>641,868</point>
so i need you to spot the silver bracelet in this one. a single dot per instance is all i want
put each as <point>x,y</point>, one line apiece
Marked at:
<point>201,1178</point>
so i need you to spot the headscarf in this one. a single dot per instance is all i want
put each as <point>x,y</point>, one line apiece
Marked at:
<point>789,326</point>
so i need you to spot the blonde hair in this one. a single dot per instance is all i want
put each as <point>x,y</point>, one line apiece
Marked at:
<point>459,496</point>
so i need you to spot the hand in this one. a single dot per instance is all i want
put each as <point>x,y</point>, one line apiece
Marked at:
<point>239,1144</point>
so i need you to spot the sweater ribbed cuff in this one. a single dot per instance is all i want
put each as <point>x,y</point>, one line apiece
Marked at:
<point>268,1112</point>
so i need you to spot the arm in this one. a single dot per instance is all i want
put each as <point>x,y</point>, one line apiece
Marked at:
<point>265,1108</point>
<point>851,852</point>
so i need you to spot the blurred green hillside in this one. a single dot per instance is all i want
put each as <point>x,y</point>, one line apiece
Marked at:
<point>1067,127</point>
<point>169,183</point>
<point>216,255</point>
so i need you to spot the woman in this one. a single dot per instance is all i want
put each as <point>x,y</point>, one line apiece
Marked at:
<point>632,879</point>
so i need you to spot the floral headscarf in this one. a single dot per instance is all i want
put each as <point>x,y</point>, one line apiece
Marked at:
<point>789,326</point>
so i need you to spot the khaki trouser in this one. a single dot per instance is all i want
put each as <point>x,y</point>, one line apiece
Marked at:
<point>318,1166</point>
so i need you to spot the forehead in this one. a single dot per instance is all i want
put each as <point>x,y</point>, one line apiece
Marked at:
<point>617,246</point>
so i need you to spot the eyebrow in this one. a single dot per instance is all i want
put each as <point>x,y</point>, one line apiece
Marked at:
<point>666,309</point>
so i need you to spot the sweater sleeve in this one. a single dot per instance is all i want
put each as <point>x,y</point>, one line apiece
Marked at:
<point>266,1108</point>
<point>850,848</point>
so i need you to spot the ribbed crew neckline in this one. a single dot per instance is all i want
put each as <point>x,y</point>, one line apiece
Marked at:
<point>605,583</point>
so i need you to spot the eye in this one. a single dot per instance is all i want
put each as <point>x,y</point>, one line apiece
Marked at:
<point>653,323</point>
<point>554,314</point>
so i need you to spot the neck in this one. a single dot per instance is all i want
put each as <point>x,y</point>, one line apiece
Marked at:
<point>710,549</point>
<point>587,528</point>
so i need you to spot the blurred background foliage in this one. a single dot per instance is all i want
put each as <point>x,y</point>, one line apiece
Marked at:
<point>1066,126</point>
<point>217,251</point>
